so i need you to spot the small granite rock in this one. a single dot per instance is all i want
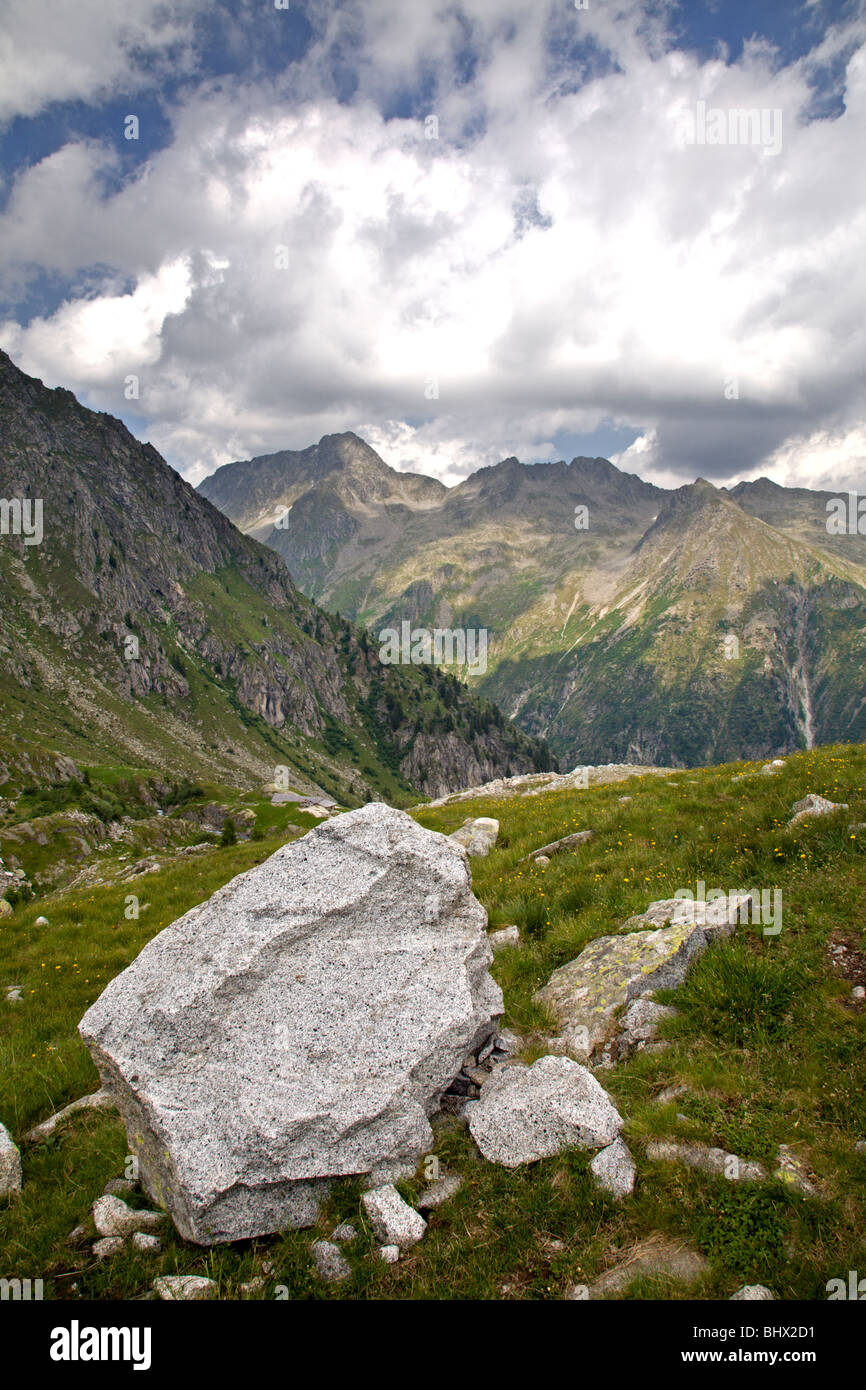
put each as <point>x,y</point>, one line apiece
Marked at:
<point>527,1113</point>
<point>751,1293</point>
<point>587,994</point>
<point>107,1247</point>
<point>657,1257</point>
<point>389,1253</point>
<point>709,1160</point>
<point>477,835</point>
<point>613,1170</point>
<point>112,1217</point>
<point>444,1187</point>
<point>331,1264</point>
<point>394,1222</point>
<point>504,938</point>
<point>97,1100</point>
<point>812,806</point>
<point>791,1169</point>
<point>118,1187</point>
<point>174,1288</point>
<point>146,1244</point>
<point>10,1164</point>
<point>344,1232</point>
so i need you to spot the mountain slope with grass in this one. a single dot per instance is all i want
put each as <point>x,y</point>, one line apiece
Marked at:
<point>626,621</point>
<point>766,1050</point>
<point>146,631</point>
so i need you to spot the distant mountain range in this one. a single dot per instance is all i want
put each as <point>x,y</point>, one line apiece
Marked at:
<point>142,628</point>
<point>627,622</point>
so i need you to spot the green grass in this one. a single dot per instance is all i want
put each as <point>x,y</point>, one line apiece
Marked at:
<point>768,1043</point>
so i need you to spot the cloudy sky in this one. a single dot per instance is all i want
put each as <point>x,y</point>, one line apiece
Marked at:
<point>462,228</point>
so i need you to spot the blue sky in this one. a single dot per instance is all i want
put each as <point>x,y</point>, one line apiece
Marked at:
<point>563,268</point>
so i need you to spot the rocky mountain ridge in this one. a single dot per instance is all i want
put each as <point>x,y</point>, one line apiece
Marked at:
<point>627,622</point>
<point>146,629</point>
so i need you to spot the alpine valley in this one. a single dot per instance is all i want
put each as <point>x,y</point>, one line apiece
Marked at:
<point>144,631</point>
<point>626,622</point>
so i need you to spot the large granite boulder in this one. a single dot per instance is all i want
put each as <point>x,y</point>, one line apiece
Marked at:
<point>299,1025</point>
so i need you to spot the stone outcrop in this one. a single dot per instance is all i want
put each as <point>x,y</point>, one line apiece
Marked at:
<point>477,835</point>
<point>301,1024</point>
<point>557,846</point>
<point>587,995</point>
<point>812,806</point>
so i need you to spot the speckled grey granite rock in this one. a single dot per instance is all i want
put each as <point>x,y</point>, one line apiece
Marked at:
<point>717,918</point>
<point>613,1170</point>
<point>639,1025</point>
<point>174,1288</point>
<point>97,1100</point>
<point>812,806</point>
<point>657,1257</point>
<point>478,835</point>
<point>504,938</point>
<point>394,1222</point>
<point>146,1244</point>
<point>527,1113</point>
<point>10,1164</point>
<point>439,1191</point>
<point>752,1293</point>
<point>108,1247</point>
<point>389,1253</point>
<point>791,1168</point>
<point>587,994</point>
<point>119,1187</point>
<point>112,1217</point>
<point>709,1160</point>
<point>331,1264</point>
<point>344,1232</point>
<point>300,1024</point>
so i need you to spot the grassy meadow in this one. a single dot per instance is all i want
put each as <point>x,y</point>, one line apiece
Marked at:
<point>768,1046</point>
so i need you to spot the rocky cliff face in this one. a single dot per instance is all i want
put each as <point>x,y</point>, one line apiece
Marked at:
<point>145,626</point>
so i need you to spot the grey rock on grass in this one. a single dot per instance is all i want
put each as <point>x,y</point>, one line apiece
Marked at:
<point>112,1217</point>
<point>394,1222</point>
<point>657,1257</point>
<point>146,1244</point>
<point>503,938</point>
<point>301,1024</point>
<point>10,1164</point>
<point>97,1100</point>
<point>587,994</point>
<point>709,1160</point>
<point>613,1170</point>
<point>184,1288</point>
<point>439,1191</point>
<point>331,1264</point>
<point>527,1113</point>
<point>108,1247</point>
<point>812,806</point>
<point>752,1293</point>
<point>477,836</point>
